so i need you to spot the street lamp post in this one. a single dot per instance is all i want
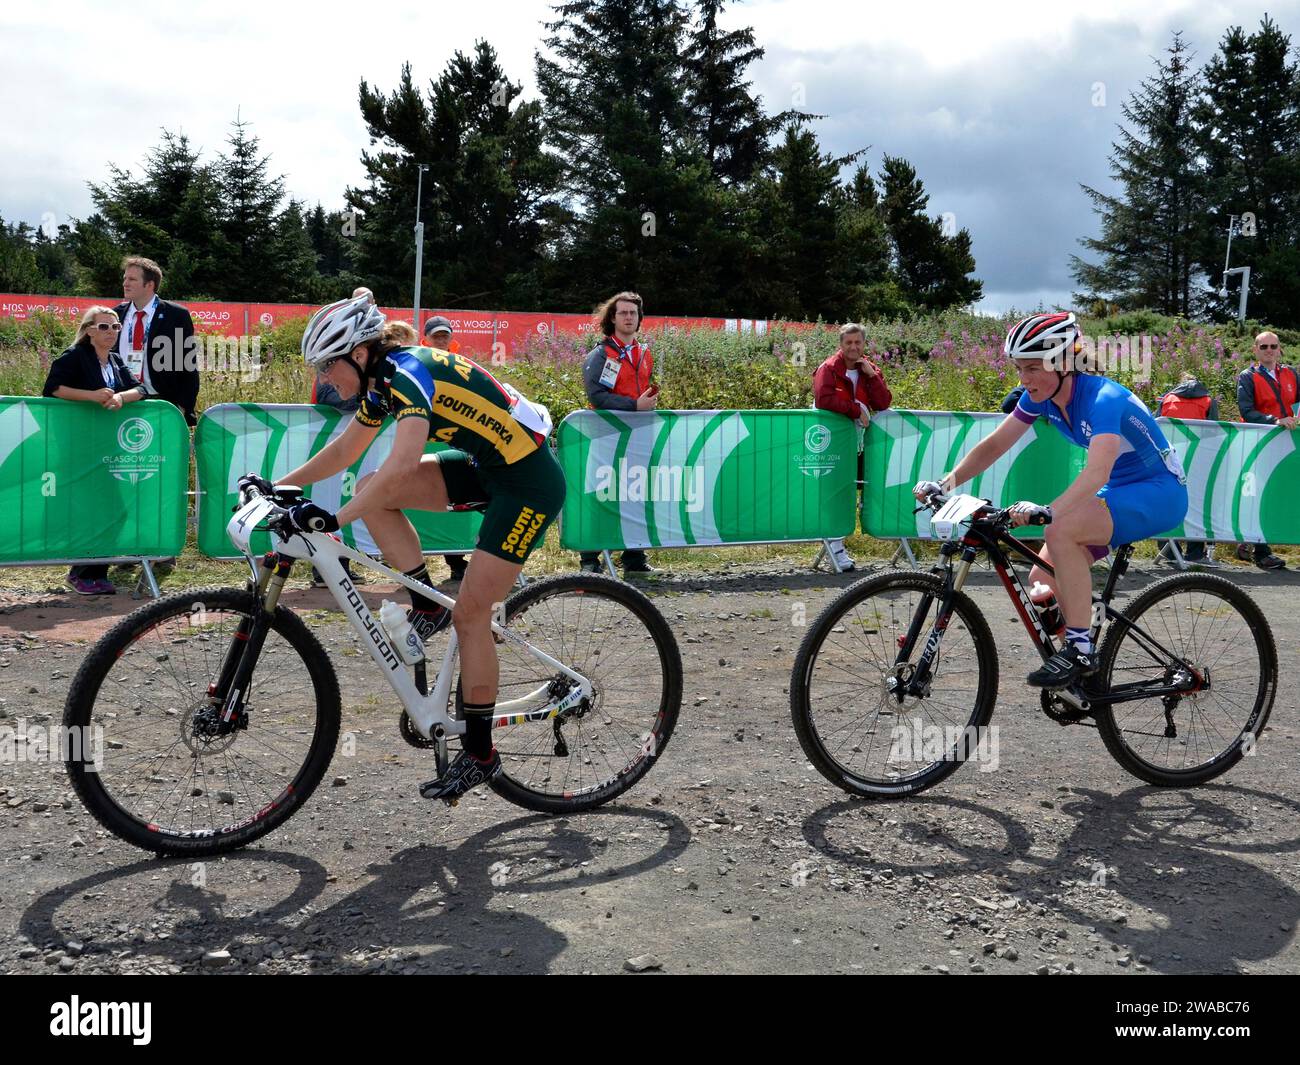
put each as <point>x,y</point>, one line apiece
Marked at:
<point>1242,271</point>
<point>419,246</point>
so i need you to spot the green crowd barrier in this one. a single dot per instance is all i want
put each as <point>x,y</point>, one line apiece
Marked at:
<point>79,483</point>
<point>695,478</point>
<point>1240,477</point>
<point>233,439</point>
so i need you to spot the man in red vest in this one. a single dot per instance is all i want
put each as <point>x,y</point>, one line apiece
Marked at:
<point>1266,394</point>
<point>850,384</point>
<point>617,377</point>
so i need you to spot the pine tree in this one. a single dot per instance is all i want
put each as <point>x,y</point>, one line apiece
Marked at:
<point>865,256</point>
<point>1248,130</point>
<point>484,198</point>
<point>932,266</point>
<point>168,214</point>
<point>725,115</point>
<point>1151,227</point>
<point>803,268</point>
<point>641,201</point>
<point>19,271</point>
<point>294,257</point>
<point>250,203</point>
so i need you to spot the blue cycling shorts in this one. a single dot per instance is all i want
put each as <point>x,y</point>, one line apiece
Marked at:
<point>1143,509</point>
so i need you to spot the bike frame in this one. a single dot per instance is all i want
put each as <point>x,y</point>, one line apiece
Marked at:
<point>996,543</point>
<point>428,712</point>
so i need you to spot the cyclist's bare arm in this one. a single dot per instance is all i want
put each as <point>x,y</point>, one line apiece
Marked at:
<point>1103,450</point>
<point>383,490</point>
<point>986,452</point>
<point>334,457</point>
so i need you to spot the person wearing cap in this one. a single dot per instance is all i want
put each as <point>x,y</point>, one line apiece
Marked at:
<point>437,334</point>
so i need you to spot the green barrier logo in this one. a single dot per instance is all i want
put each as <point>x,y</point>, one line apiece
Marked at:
<point>815,462</point>
<point>134,436</point>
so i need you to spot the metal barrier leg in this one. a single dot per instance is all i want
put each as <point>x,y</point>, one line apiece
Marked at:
<point>149,580</point>
<point>821,554</point>
<point>608,557</point>
<point>826,550</point>
<point>904,549</point>
<point>1178,559</point>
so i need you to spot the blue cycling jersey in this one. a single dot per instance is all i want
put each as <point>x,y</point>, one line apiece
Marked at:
<point>1099,405</point>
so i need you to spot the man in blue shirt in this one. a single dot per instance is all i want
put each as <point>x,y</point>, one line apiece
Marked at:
<point>1132,488</point>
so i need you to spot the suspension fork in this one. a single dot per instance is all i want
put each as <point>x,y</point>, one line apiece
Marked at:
<point>957,575</point>
<point>246,645</point>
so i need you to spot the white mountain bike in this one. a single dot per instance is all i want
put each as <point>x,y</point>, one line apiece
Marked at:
<point>218,710</point>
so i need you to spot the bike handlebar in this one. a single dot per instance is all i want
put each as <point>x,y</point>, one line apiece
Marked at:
<point>996,516</point>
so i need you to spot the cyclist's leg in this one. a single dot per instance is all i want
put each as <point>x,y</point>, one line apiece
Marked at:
<point>392,529</point>
<point>1069,538</point>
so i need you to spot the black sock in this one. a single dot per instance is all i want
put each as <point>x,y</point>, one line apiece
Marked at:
<point>419,601</point>
<point>478,729</point>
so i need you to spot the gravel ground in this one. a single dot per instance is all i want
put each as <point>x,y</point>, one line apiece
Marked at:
<point>731,855</point>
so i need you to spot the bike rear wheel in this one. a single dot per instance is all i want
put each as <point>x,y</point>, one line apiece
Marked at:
<point>170,781</point>
<point>1219,630</point>
<point>857,732</point>
<point>613,635</point>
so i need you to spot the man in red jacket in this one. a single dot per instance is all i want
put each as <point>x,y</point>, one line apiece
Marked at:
<point>850,384</point>
<point>1266,395</point>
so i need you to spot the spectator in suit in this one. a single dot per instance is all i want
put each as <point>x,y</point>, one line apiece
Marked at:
<point>849,383</point>
<point>90,371</point>
<point>157,339</point>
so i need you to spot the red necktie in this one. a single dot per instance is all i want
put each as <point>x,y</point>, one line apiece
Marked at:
<point>137,334</point>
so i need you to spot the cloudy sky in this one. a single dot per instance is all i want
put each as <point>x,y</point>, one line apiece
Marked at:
<point>1003,108</point>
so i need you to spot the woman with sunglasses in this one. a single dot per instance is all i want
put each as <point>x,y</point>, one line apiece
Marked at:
<point>90,371</point>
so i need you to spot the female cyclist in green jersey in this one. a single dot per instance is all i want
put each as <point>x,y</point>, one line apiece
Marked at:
<point>502,459</point>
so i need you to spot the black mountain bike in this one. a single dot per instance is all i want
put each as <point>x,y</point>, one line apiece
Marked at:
<point>1186,679</point>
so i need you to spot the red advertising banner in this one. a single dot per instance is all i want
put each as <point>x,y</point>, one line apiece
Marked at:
<point>228,319</point>
<point>269,315</point>
<point>475,331</point>
<point>69,307</point>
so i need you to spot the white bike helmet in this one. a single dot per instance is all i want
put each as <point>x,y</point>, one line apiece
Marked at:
<point>1053,339</point>
<point>1041,336</point>
<point>335,330</point>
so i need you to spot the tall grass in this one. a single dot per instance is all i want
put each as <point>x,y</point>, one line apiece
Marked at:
<point>949,361</point>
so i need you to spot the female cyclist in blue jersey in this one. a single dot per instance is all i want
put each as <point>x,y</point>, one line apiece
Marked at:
<point>1132,487</point>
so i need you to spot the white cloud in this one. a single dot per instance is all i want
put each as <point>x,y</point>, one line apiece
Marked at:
<point>993,104</point>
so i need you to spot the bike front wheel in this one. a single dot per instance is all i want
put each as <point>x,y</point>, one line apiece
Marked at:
<point>1216,628</point>
<point>156,767</point>
<point>847,699</point>
<point>613,635</point>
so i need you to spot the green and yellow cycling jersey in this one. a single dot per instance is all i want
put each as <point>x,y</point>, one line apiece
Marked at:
<point>465,406</point>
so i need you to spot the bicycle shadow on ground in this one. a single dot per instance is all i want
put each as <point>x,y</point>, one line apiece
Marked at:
<point>446,907</point>
<point>1164,858</point>
<point>468,900</point>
